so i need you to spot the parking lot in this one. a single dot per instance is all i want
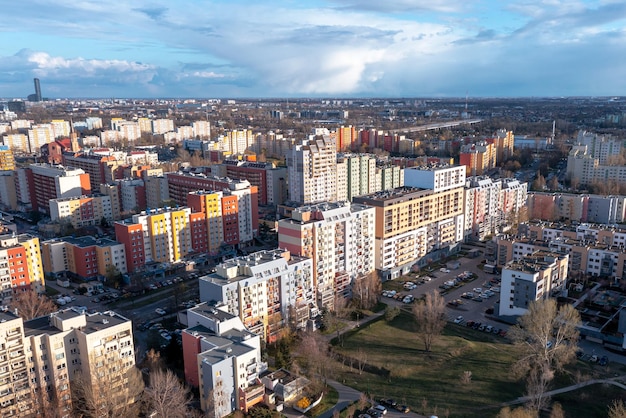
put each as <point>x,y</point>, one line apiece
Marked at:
<point>458,303</point>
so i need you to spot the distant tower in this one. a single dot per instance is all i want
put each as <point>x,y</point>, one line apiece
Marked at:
<point>37,90</point>
<point>74,146</point>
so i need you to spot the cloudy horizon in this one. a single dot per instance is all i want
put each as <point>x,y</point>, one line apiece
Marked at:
<point>313,48</point>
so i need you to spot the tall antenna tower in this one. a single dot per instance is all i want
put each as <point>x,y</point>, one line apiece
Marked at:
<point>553,132</point>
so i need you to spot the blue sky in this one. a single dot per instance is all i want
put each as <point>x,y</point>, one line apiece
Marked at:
<point>313,48</point>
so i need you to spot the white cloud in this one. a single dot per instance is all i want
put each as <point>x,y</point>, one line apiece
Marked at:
<point>343,47</point>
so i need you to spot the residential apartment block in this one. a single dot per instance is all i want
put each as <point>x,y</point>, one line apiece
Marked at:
<point>596,158</point>
<point>17,142</point>
<point>8,190</point>
<point>223,360</point>
<point>226,222</point>
<point>312,171</point>
<point>157,191</point>
<point>492,206</point>
<point>21,267</point>
<point>83,257</point>
<point>533,277</point>
<point>99,167</point>
<point>41,358</point>
<point>46,182</point>
<point>412,222</point>
<point>339,237</point>
<point>596,250</point>
<point>7,161</point>
<point>81,211</point>
<point>161,126</point>
<point>160,235</point>
<point>266,289</point>
<point>478,157</point>
<point>236,141</point>
<point>435,177</point>
<point>577,207</point>
<point>262,175</point>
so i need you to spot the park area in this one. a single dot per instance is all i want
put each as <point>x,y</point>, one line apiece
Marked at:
<point>466,374</point>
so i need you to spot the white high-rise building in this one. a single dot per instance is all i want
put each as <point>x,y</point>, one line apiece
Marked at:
<point>201,129</point>
<point>161,126</point>
<point>265,289</point>
<point>312,171</point>
<point>437,179</point>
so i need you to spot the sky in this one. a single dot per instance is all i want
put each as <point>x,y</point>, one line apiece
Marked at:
<point>313,48</point>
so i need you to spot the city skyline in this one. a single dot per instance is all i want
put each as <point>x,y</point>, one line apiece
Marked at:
<point>313,48</point>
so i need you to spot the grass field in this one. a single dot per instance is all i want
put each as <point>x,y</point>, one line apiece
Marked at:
<point>430,383</point>
<point>328,401</point>
<point>590,402</point>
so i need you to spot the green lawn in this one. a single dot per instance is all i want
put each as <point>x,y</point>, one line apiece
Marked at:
<point>328,401</point>
<point>430,383</point>
<point>590,402</point>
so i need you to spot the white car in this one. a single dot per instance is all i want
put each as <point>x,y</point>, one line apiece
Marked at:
<point>381,409</point>
<point>458,319</point>
<point>160,311</point>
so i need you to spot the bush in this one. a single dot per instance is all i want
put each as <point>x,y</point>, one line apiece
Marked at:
<point>303,403</point>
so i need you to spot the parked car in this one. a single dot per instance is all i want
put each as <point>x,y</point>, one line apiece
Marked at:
<point>160,311</point>
<point>593,359</point>
<point>384,401</point>
<point>604,360</point>
<point>381,409</point>
<point>403,408</point>
<point>458,319</point>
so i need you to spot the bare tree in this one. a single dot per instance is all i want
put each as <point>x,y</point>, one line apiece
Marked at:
<point>153,360</point>
<point>31,304</point>
<point>617,409</point>
<point>361,360</point>
<point>430,318</point>
<point>546,336</point>
<point>335,317</point>
<point>167,397</point>
<point>108,390</point>
<point>313,351</point>
<point>365,290</point>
